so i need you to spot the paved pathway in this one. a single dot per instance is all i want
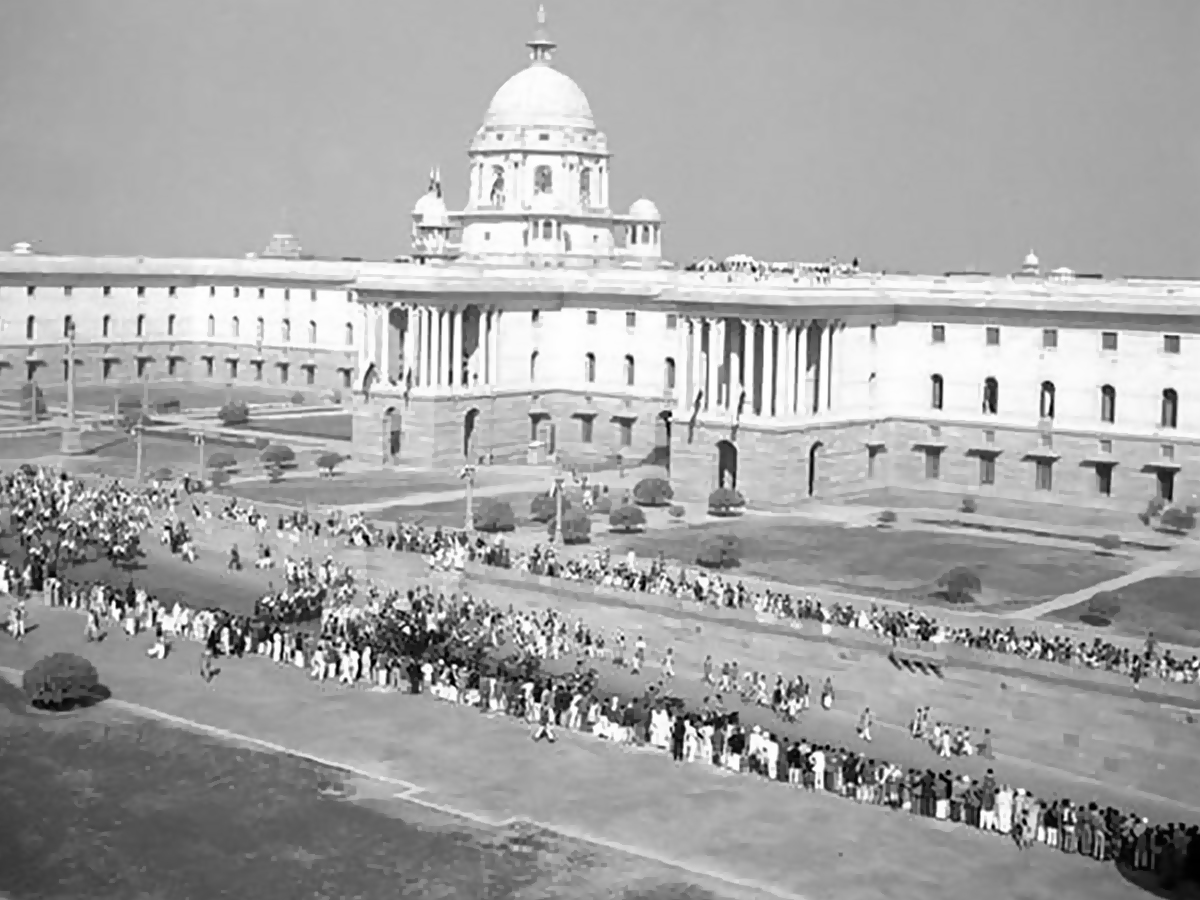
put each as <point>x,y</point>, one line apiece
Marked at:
<point>1154,570</point>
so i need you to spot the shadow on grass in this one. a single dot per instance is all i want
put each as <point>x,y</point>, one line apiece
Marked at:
<point>1156,885</point>
<point>98,695</point>
<point>1095,620</point>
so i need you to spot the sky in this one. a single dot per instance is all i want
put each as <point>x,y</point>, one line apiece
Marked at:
<point>923,135</point>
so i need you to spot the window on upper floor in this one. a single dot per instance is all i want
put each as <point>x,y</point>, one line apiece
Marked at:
<point>1046,400</point>
<point>285,330</point>
<point>171,291</point>
<point>669,374</point>
<point>312,332</point>
<point>535,316</point>
<point>533,361</point>
<point>1171,343</point>
<point>993,335</point>
<point>937,391</point>
<point>1170,409</point>
<point>260,329</point>
<point>630,320</point>
<point>1108,404</point>
<point>106,291</point>
<point>991,397</point>
<point>141,290</point>
<point>937,334</point>
<point>262,293</point>
<point>630,371</point>
<point>31,328</point>
<point>1049,338</point>
<point>236,327</point>
<point>589,368</point>
<point>1108,340</point>
<point>68,326</point>
<point>672,321</point>
<point>106,326</point>
<point>68,291</point>
<point>287,293</point>
<point>171,325</point>
<point>592,316</point>
<point>349,334</point>
<point>141,326</point>
<point>212,326</point>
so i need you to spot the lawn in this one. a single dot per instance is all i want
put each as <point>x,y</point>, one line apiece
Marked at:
<point>452,513</point>
<point>334,426</point>
<point>898,562</point>
<point>363,487</point>
<point>116,454</point>
<point>191,395</point>
<point>103,804</point>
<point>1167,606</point>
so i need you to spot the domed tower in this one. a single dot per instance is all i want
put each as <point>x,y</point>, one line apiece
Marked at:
<point>1032,266</point>
<point>432,225</point>
<point>643,233</point>
<point>539,172</point>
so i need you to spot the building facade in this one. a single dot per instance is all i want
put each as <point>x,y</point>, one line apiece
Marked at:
<point>536,322</point>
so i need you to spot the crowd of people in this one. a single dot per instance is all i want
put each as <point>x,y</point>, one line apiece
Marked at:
<point>541,667</point>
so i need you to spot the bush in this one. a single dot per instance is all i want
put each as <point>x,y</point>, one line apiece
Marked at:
<point>603,505</point>
<point>725,502</point>
<point>543,507</point>
<point>887,517</point>
<point>32,398</point>
<point>327,462</point>
<point>219,478</point>
<point>576,527</point>
<point>261,443</point>
<point>719,551</point>
<point>275,473</point>
<point>163,474</point>
<point>960,585</point>
<point>1155,507</point>
<point>969,505</point>
<point>653,492</point>
<point>61,680</point>
<point>278,455</point>
<point>222,459</point>
<point>169,406</point>
<point>1110,543</point>
<point>297,399</point>
<point>627,518</point>
<point>1104,605</point>
<point>234,413</point>
<point>1177,520</point>
<point>493,516</point>
<point>676,511</point>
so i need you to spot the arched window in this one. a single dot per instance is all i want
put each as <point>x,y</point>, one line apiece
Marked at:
<point>589,368</point>
<point>260,329</point>
<point>285,330</point>
<point>630,370</point>
<point>67,324</point>
<point>236,326</point>
<point>645,234</point>
<point>1108,404</point>
<point>171,325</point>
<point>141,325</point>
<point>633,233</point>
<point>991,397</point>
<point>312,332</point>
<point>937,391</point>
<point>1170,408</point>
<point>543,180</point>
<point>105,326</point>
<point>31,328</point>
<point>669,374</point>
<point>212,326</point>
<point>1046,400</point>
<point>349,334</point>
<point>533,358</point>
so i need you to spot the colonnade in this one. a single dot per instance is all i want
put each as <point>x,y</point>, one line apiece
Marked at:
<point>431,347</point>
<point>755,368</point>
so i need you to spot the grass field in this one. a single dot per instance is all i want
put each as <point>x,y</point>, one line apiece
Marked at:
<point>452,513</point>
<point>1168,606</point>
<point>365,487</point>
<point>191,395</point>
<point>893,563</point>
<point>336,426</point>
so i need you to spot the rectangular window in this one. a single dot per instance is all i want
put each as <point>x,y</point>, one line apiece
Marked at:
<point>938,334</point>
<point>262,293</point>
<point>987,470</point>
<point>347,378</point>
<point>591,317</point>
<point>1049,338</point>
<point>141,291</point>
<point>672,321</point>
<point>630,320</point>
<point>233,368</point>
<point>585,430</point>
<point>208,367</point>
<point>1106,446</point>
<point>310,375</point>
<point>106,366</point>
<point>171,292</point>
<point>1170,343</point>
<point>172,366</point>
<point>1044,475</point>
<point>258,366</point>
<point>1108,340</point>
<point>67,291</point>
<point>536,317</point>
<point>1104,480</point>
<point>626,428</point>
<point>933,463</point>
<point>873,329</point>
<point>993,336</point>
<point>283,373</point>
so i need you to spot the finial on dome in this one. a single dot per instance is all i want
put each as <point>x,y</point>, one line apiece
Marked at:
<point>541,47</point>
<point>437,181</point>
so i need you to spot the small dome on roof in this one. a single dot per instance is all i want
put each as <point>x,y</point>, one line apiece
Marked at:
<point>430,211</point>
<point>644,209</point>
<point>1031,260</point>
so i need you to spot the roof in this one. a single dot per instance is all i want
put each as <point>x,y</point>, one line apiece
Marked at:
<point>540,96</point>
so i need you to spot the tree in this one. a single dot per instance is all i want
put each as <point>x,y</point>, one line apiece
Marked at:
<point>719,551</point>
<point>576,527</point>
<point>219,478</point>
<point>298,399</point>
<point>543,507</point>
<point>603,505</point>
<point>887,517</point>
<point>327,462</point>
<point>234,413</point>
<point>969,505</point>
<point>275,473</point>
<point>163,474</point>
<point>1104,605</point>
<point>493,516</point>
<point>627,518</point>
<point>1110,543</point>
<point>222,459</point>
<point>1154,509</point>
<point>278,455</point>
<point>676,511</point>
<point>960,585</point>
<point>1177,520</point>
<point>653,492</point>
<point>61,680</point>
<point>725,502</point>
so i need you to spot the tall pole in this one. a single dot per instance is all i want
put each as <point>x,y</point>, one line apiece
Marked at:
<point>559,479</point>
<point>71,443</point>
<point>199,439</point>
<point>468,474</point>
<point>138,431</point>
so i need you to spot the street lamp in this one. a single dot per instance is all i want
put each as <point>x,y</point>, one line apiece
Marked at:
<point>468,475</point>
<point>198,440</point>
<point>138,431</point>
<point>559,480</point>
<point>71,443</point>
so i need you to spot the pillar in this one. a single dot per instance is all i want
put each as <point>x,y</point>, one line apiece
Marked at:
<point>456,349</point>
<point>708,335</point>
<point>494,334</point>
<point>750,359</point>
<point>787,373</point>
<point>443,355</point>
<point>722,367</point>
<point>695,374</point>
<point>410,343</point>
<point>383,342</point>
<point>768,370</point>
<point>832,329</point>
<point>811,353</point>
<point>735,339</point>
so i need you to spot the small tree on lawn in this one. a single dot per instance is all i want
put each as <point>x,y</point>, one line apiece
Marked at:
<point>222,459</point>
<point>327,462</point>
<point>627,518</point>
<point>653,492</point>
<point>887,517</point>
<point>725,502</point>
<point>234,413</point>
<point>969,505</point>
<point>297,399</point>
<point>576,527</point>
<point>1102,608</point>
<point>543,508</point>
<point>676,511</point>
<point>1177,520</point>
<point>603,505</point>
<point>719,551</point>
<point>60,680</point>
<point>219,478</point>
<point>275,473</point>
<point>278,455</point>
<point>1109,544</point>
<point>33,401</point>
<point>960,585</point>
<point>494,516</point>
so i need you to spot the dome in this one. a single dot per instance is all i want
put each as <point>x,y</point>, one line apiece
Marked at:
<point>540,96</point>
<point>644,209</point>
<point>430,211</point>
<point>1031,260</point>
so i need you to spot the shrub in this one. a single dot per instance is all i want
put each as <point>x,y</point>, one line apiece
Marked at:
<point>603,505</point>
<point>335,396</point>
<point>1110,543</point>
<point>887,517</point>
<point>219,478</point>
<point>725,502</point>
<point>278,455</point>
<point>1104,605</point>
<point>543,507</point>
<point>719,551</point>
<point>969,505</point>
<point>627,518</point>
<point>275,473</point>
<point>163,474</point>
<point>32,399</point>
<point>1155,507</point>
<point>960,584</point>
<point>493,516</point>
<point>327,462</point>
<point>59,680</point>
<point>653,492</point>
<point>1177,520</point>
<point>297,399</point>
<point>576,527</point>
<point>234,413</point>
<point>676,511</point>
<point>261,443</point>
<point>169,406</point>
<point>222,460</point>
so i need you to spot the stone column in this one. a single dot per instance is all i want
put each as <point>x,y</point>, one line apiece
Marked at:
<point>787,373</point>
<point>494,333</point>
<point>832,329</point>
<point>735,338</point>
<point>383,343</point>
<point>750,355</point>
<point>410,343</point>
<point>768,370</point>
<point>722,367</point>
<point>456,350</point>
<point>695,376</point>
<point>709,382</point>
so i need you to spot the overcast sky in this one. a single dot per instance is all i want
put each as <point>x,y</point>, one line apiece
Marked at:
<point>917,134</point>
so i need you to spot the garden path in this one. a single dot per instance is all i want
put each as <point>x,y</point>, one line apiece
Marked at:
<point>1064,601</point>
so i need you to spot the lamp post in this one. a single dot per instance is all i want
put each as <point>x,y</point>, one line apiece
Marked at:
<point>198,440</point>
<point>559,480</point>
<point>71,442</point>
<point>138,431</point>
<point>468,475</point>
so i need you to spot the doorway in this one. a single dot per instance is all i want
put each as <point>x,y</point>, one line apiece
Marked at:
<point>727,465</point>
<point>814,454</point>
